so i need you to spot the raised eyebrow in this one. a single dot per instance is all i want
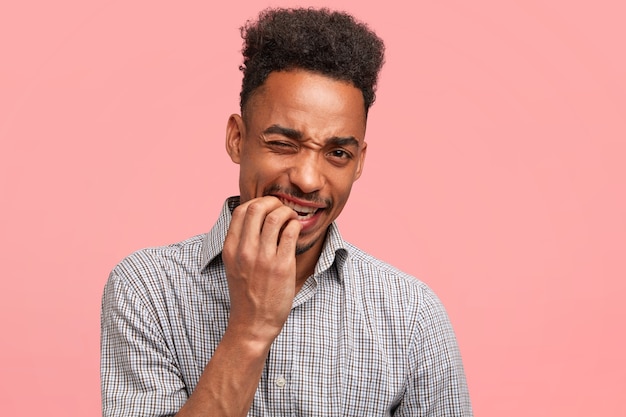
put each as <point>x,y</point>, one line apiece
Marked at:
<point>343,141</point>
<point>284,131</point>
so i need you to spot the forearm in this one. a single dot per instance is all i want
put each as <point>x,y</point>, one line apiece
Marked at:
<point>230,379</point>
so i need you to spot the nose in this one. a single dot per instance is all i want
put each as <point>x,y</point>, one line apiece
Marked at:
<point>307,172</point>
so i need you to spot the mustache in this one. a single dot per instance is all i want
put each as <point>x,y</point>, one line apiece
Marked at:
<point>299,194</point>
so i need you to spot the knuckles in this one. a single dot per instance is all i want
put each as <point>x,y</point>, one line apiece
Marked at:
<point>261,205</point>
<point>243,247</point>
<point>275,219</point>
<point>269,208</point>
<point>253,208</point>
<point>291,231</point>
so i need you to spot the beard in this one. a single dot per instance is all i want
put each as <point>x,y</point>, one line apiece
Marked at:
<point>300,249</point>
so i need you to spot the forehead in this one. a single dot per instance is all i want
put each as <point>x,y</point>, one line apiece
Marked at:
<point>306,100</point>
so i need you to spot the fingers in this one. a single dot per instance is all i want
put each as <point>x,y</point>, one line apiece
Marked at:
<point>260,223</point>
<point>260,260</point>
<point>273,231</point>
<point>289,238</point>
<point>242,220</point>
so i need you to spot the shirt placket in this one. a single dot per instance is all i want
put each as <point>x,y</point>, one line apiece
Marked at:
<point>279,368</point>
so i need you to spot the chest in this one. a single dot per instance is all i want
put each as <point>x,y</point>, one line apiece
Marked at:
<point>335,355</point>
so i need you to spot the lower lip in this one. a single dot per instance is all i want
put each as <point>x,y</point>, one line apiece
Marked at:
<point>309,223</point>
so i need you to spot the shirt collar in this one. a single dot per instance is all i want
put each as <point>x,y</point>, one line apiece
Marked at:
<point>335,249</point>
<point>213,242</point>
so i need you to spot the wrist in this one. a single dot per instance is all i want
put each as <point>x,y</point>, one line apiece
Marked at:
<point>249,341</point>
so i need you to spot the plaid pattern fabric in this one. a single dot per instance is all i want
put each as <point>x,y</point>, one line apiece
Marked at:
<point>362,339</point>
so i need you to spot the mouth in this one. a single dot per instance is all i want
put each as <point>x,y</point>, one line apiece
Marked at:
<point>304,212</point>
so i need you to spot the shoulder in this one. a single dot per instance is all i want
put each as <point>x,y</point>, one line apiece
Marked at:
<point>149,267</point>
<point>380,284</point>
<point>398,310</point>
<point>371,272</point>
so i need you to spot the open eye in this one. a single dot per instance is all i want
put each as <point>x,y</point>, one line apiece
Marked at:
<point>340,154</point>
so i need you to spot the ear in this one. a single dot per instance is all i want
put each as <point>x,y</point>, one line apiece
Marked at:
<point>235,131</point>
<point>360,162</point>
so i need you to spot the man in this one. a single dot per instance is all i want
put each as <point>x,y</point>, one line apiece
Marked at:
<point>272,313</point>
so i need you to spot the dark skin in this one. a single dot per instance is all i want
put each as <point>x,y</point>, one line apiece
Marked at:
<point>300,150</point>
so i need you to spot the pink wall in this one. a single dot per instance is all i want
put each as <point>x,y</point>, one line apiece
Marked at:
<point>495,172</point>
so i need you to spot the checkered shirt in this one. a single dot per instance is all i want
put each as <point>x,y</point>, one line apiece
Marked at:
<point>362,338</point>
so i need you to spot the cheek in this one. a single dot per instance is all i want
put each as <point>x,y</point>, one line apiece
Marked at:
<point>257,173</point>
<point>341,188</point>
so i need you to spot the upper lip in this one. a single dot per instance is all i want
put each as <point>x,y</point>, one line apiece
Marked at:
<point>305,203</point>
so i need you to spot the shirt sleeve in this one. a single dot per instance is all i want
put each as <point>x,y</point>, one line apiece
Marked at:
<point>437,386</point>
<point>139,374</point>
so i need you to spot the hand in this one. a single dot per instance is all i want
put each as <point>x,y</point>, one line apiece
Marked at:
<point>260,260</point>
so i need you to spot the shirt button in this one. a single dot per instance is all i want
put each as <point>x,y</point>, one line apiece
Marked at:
<point>280,382</point>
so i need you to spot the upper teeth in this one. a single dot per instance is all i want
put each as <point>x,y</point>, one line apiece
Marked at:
<point>298,207</point>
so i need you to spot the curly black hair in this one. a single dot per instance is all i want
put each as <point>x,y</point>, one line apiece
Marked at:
<point>331,43</point>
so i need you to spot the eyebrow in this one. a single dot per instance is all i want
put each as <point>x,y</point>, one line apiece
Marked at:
<point>341,141</point>
<point>284,131</point>
<point>297,135</point>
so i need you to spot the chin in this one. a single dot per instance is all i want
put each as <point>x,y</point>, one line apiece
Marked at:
<point>305,246</point>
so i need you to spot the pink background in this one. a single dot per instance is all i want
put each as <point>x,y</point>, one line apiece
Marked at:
<point>495,173</point>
